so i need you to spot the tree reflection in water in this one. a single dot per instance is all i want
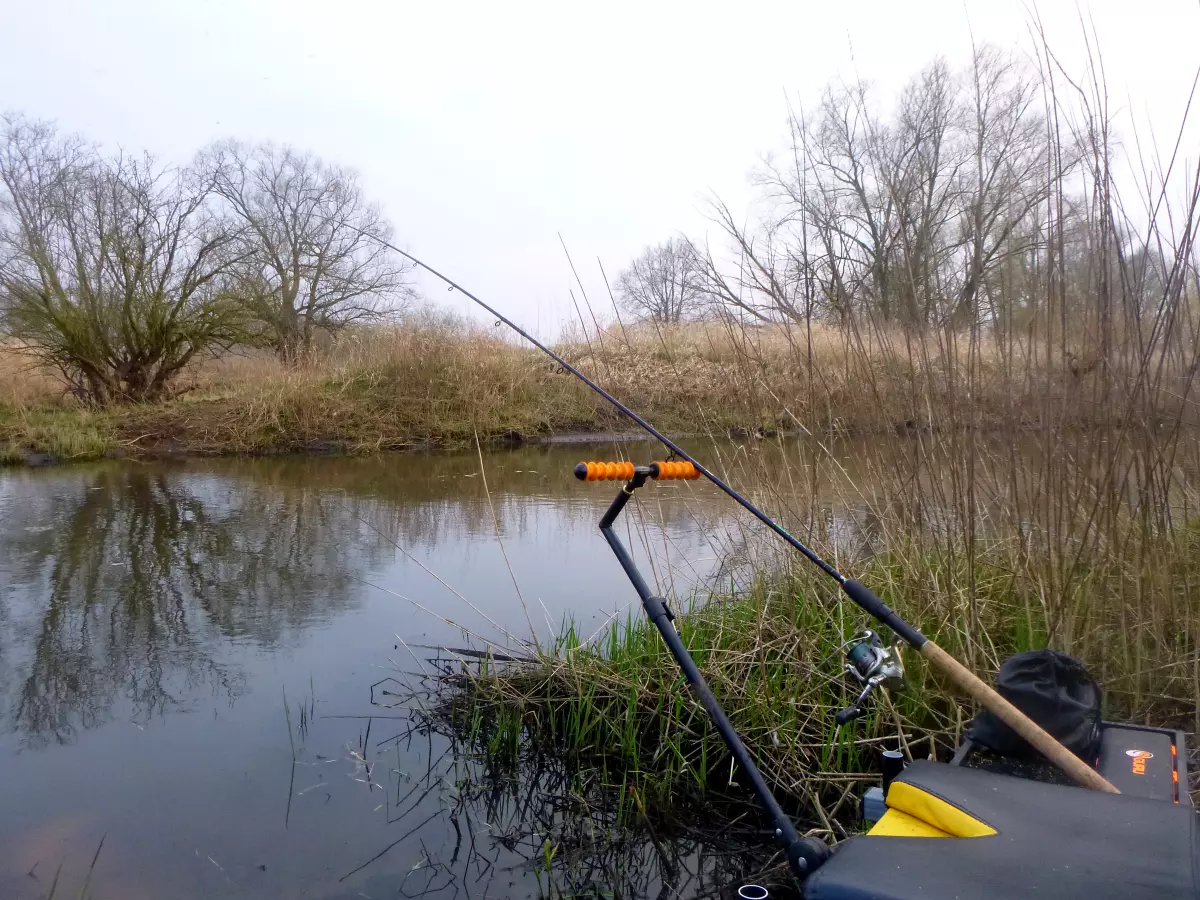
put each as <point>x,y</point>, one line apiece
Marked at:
<point>125,582</point>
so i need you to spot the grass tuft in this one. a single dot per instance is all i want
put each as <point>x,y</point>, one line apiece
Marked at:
<point>64,433</point>
<point>11,456</point>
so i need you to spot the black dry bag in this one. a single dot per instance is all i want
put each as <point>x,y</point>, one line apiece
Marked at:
<point>1055,691</point>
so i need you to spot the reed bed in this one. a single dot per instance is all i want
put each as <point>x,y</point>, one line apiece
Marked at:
<point>773,657</point>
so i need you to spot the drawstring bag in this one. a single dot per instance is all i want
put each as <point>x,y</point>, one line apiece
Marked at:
<point>1055,691</point>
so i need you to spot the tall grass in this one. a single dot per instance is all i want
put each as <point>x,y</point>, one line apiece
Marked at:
<point>773,656</point>
<point>24,383</point>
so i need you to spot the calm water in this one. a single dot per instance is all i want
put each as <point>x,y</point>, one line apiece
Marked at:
<point>153,615</point>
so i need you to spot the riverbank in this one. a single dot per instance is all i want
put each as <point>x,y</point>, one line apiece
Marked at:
<point>436,383</point>
<point>419,386</point>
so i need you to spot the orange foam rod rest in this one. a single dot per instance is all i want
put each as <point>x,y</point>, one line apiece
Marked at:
<point>604,471</point>
<point>682,469</point>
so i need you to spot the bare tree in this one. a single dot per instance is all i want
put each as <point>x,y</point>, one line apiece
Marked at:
<point>314,261</point>
<point>902,216</point>
<point>114,271</point>
<point>921,178</point>
<point>764,285</point>
<point>662,285</point>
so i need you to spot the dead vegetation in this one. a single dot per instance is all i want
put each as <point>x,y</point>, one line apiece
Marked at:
<point>434,382</point>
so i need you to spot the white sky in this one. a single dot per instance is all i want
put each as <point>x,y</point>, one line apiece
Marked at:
<point>486,129</point>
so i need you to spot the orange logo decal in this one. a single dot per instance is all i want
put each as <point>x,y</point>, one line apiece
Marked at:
<point>1139,760</point>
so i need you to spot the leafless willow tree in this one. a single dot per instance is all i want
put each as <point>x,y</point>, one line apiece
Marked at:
<point>661,285</point>
<point>113,270</point>
<point>313,260</point>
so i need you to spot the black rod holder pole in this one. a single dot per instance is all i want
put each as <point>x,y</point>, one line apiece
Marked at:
<point>804,854</point>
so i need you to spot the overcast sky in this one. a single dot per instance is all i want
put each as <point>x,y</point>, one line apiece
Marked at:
<point>486,129</point>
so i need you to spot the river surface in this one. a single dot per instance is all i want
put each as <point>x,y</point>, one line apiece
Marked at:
<point>154,616</point>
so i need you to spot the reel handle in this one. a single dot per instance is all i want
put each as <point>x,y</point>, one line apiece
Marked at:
<point>849,714</point>
<point>852,712</point>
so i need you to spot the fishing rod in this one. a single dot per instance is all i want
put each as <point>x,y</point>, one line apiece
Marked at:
<point>859,594</point>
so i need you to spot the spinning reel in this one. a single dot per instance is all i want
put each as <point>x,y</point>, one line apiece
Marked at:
<point>872,664</point>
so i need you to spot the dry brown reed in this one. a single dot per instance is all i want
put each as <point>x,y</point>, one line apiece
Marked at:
<point>434,381</point>
<point>22,382</point>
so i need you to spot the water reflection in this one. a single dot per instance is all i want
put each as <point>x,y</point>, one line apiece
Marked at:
<point>121,580</point>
